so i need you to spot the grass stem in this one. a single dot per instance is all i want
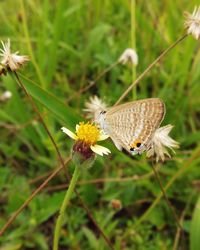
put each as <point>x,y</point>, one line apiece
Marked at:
<point>133,44</point>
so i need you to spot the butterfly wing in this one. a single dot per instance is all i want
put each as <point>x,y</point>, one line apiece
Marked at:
<point>134,123</point>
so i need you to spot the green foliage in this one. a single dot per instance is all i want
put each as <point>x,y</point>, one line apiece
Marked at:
<point>195,228</point>
<point>69,44</point>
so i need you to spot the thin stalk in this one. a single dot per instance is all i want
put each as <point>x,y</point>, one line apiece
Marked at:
<point>178,232</point>
<point>166,199</point>
<point>64,205</point>
<point>185,167</point>
<point>25,204</point>
<point>100,180</point>
<point>149,68</point>
<point>133,43</point>
<point>40,118</point>
<point>92,83</point>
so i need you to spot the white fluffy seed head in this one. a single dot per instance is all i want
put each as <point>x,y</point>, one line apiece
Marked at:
<point>160,142</point>
<point>129,55</point>
<point>93,107</point>
<point>192,23</point>
<point>11,61</point>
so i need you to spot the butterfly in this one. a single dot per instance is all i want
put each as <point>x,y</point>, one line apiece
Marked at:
<point>132,125</point>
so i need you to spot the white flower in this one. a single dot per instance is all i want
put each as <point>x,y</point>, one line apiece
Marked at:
<point>192,23</point>
<point>94,106</point>
<point>5,96</point>
<point>11,61</point>
<point>160,141</point>
<point>129,55</point>
<point>86,137</point>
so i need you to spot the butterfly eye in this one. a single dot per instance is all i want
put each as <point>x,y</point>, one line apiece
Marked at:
<point>103,112</point>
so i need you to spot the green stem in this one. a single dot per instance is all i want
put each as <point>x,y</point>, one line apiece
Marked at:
<point>133,43</point>
<point>28,40</point>
<point>64,206</point>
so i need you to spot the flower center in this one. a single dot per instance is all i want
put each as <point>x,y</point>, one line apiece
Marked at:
<point>88,133</point>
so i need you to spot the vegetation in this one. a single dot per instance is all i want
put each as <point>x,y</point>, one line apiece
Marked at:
<point>69,44</point>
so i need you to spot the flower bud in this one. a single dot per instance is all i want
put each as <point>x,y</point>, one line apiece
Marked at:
<point>82,154</point>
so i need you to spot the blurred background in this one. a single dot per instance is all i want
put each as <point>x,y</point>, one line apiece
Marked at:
<point>69,43</point>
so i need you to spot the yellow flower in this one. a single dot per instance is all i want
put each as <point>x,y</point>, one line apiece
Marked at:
<point>86,137</point>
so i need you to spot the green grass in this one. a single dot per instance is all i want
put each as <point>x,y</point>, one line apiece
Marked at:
<point>69,43</point>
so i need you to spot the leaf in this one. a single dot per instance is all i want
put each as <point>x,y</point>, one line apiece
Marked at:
<point>91,238</point>
<point>195,228</point>
<point>62,111</point>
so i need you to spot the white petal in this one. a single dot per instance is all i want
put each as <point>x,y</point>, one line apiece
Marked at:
<point>77,127</point>
<point>100,150</point>
<point>103,137</point>
<point>69,133</point>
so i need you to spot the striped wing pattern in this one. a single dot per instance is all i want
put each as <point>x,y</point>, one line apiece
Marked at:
<point>134,121</point>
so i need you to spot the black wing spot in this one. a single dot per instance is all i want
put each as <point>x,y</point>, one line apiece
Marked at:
<point>103,112</point>
<point>138,144</point>
<point>132,149</point>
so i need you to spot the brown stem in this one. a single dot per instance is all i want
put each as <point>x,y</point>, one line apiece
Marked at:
<point>101,180</point>
<point>149,67</point>
<point>178,232</point>
<point>95,224</point>
<point>39,178</point>
<point>25,204</point>
<point>41,120</point>
<point>92,83</point>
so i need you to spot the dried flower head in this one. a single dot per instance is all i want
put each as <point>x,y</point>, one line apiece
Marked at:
<point>94,106</point>
<point>129,55</point>
<point>192,23</point>
<point>86,137</point>
<point>11,61</point>
<point>5,96</point>
<point>160,141</point>
<point>116,204</point>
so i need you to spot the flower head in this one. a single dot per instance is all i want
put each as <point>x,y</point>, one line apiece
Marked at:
<point>160,141</point>
<point>192,23</point>
<point>129,55</point>
<point>86,137</point>
<point>11,61</point>
<point>5,96</point>
<point>94,106</point>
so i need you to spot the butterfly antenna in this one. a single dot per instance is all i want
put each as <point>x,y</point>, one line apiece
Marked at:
<point>166,199</point>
